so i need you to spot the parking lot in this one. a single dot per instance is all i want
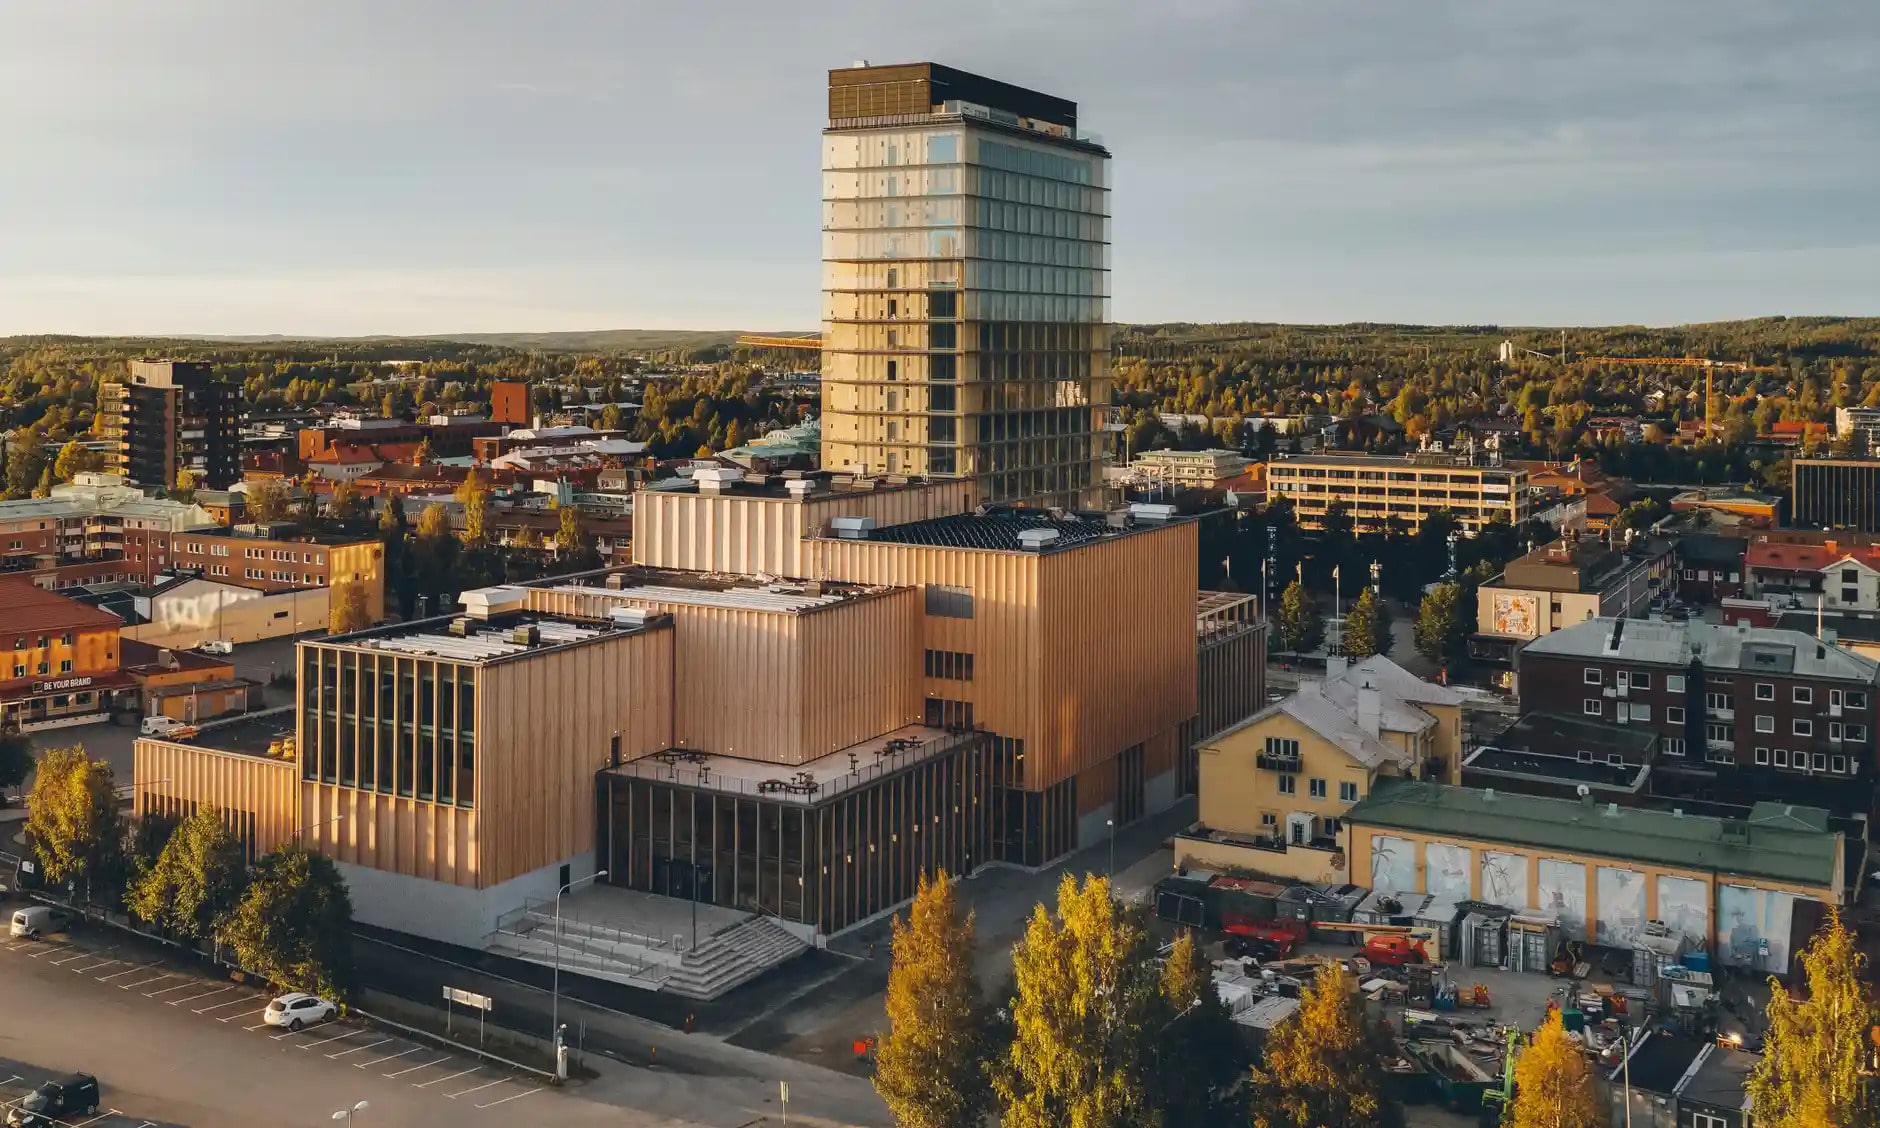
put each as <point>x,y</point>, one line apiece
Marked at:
<point>125,973</point>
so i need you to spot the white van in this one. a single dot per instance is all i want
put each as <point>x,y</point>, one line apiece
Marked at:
<point>168,727</point>
<point>35,921</point>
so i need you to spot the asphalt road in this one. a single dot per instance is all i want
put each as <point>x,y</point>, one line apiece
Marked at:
<point>172,1049</point>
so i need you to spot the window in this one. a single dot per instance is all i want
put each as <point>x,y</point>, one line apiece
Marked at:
<point>1674,715</point>
<point>45,667</point>
<point>1804,728</point>
<point>1674,683</point>
<point>1765,724</point>
<point>1849,576</point>
<point>1821,761</point>
<point>1268,818</point>
<point>1592,707</point>
<point>949,602</point>
<point>66,638</point>
<point>1591,676</point>
<point>1288,785</point>
<point>1717,701</point>
<point>1765,691</point>
<point>1282,748</point>
<point>1348,792</point>
<point>1641,711</point>
<point>1641,680</point>
<point>1782,757</point>
<point>1706,1120</point>
<point>942,713</point>
<point>1804,695</point>
<point>950,664</point>
<point>1856,733</point>
<point>1719,733</point>
<point>1615,759</point>
<point>1840,764</point>
<point>65,667</point>
<point>1762,755</point>
<point>1316,787</point>
<point>1856,699</point>
<point>1834,731</point>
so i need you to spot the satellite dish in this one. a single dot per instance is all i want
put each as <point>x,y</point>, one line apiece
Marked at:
<point>1584,790</point>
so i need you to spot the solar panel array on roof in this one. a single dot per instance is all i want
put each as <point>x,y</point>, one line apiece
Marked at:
<point>996,531</point>
<point>483,645</point>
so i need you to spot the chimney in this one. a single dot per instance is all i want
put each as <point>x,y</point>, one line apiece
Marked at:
<point>1335,667</point>
<point>1370,708</point>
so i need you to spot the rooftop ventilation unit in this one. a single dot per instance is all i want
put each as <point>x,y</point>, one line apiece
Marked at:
<point>1037,540</point>
<point>852,528</point>
<point>628,616</point>
<point>486,603</point>
<point>799,488</point>
<point>716,479</point>
<point>460,626</point>
<point>1152,511</point>
<point>526,635</point>
<point>616,581</point>
<point>1119,519</point>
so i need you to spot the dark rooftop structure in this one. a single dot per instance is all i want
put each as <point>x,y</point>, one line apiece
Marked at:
<point>1576,565</point>
<point>1659,1062</point>
<point>1020,529</point>
<point>254,735</point>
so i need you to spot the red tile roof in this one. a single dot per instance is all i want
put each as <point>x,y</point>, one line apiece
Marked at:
<point>1807,557</point>
<point>31,609</point>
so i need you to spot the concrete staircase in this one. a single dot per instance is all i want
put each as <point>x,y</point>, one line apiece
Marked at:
<point>734,957</point>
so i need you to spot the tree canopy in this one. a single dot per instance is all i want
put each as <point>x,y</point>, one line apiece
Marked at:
<point>931,1065</point>
<point>1817,1045</point>
<point>72,817</point>
<point>1322,1064</point>
<point>197,879</point>
<point>294,923</point>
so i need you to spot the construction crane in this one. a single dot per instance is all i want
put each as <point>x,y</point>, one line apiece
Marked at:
<point>756,341</point>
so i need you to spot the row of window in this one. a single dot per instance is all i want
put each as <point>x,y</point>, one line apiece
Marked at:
<point>1808,761</point>
<point>1642,712</point>
<point>951,664</point>
<point>20,641</point>
<point>1315,788</point>
<point>20,669</point>
<point>1764,691</point>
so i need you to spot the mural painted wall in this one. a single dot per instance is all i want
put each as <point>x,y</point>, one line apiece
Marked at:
<point>1505,879</point>
<point>1563,890</point>
<point>1446,871</point>
<point>1684,906</point>
<point>1753,927</point>
<point>1516,615</point>
<point>1393,864</point>
<point>1621,907</point>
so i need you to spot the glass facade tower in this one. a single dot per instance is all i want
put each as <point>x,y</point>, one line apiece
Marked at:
<point>965,284</point>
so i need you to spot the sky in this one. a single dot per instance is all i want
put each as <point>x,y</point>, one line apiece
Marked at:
<point>356,167</point>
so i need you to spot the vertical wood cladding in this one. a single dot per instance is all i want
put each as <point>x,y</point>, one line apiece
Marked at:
<point>256,795</point>
<point>1079,653</point>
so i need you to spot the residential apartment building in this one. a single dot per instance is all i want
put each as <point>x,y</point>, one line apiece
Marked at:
<point>1275,788</point>
<point>1860,425</point>
<point>1835,493</point>
<point>95,529</point>
<point>1193,469</point>
<point>965,284</point>
<point>1376,488</point>
<point>1567,582</point>
<point>283,557</point>
<point>1741,712</point>
<point>170,416</point>
<point>60,659</point>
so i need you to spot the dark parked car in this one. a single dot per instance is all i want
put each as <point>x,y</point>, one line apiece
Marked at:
<point>61,1096</point>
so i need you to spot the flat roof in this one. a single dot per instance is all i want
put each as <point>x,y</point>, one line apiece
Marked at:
<point>999,530</point>
<point>1719,646</point>
<point>807,783</point>
<point>485,640</point>
<point>1542,730</point>
<point>1541,767</point>
<point>775,487</point>
<point>715,589</point>
<point>1779,842</point>
<point>1444,461</point>
<point>250,736</point>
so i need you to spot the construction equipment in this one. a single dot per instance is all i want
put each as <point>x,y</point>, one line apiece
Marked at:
<point>1395,951</point>
<point>1498,1103</point>
<point>1263,939</point>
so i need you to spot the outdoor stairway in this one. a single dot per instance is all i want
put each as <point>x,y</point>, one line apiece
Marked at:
<point>733,957</point>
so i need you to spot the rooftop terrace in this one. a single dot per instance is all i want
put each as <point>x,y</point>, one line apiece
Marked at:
<point>805,784</point>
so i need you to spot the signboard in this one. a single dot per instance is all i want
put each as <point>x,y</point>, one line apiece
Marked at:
<point>61,684</point>
<point>467,998</point>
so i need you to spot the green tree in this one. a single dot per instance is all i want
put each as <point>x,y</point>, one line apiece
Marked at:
<point>425,454</point>
<point>1553,1085</point>
<point>568,533</point>
<point>72,818</point>
<point>1300,624</point>
<point>1199,1055</point>
<point>347,609</point>
<point>931,1066</point>
<point>16,757</point>
<point>1442,626</point>
<point>197,879</point>
<point>1321,1065</point>
<point>1817,1046</point>
<point>346,504</point>
<point>265,500</point>
<point>293,925</point>
<point>1367,628</point>
<point>26,462</point>
<point>610,418</point>
<point>475,498</point>
<point>433,522</point>
<point>75,459</point>
<point>1086,1003</point>
<point>186,481</point>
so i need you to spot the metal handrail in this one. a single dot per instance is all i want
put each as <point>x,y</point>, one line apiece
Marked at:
<point>700,775</point>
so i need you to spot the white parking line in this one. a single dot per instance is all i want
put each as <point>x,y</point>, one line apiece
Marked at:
<point>82,955</point>
<point>428,1084</point>
<point>415,1068</point>
<point>387,1057</point>
<point>287,1034</point>
<point>204,995</point>
<point>95,1119</point>
<point>243,1001</point>
<point>478,1089</point>
<point>511,1097</point>
<point>52,948</point>
<point>145,982</point>
<point>128,971</point>
<point>93,967</point>
<point>356,1049</point>
<point>180,986</point>
<point>342,1036</point>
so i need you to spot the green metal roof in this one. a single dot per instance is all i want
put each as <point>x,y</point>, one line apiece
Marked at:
<point>1778,841</point>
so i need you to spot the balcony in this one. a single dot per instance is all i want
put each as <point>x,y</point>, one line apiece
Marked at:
<point>1277,763</point>
<point>1717,713</point>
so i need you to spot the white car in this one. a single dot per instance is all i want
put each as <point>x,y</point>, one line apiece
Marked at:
<point>217,646</point>
<point>297,1009</point>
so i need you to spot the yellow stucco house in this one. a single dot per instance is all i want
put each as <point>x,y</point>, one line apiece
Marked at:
<point>1274,789</point>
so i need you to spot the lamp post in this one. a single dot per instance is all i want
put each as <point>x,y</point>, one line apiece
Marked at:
<point>1111,823</point>
<point>554,1020</point>
<point>347,1114</point>
<point>320,825</point>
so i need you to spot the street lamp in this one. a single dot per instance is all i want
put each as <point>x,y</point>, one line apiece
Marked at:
<point>347,1114</point>
<point>1111,823</point>
<point>554,1021</point>
<point>321,825</point>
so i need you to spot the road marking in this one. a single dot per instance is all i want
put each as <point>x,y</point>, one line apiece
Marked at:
<point>180,986</point>
<point>95,1119</point>
<point>387,1057</point>
<point>428,1084</point>
<point>340,1038</point>
<point>415,1068</point>
<point>145,982</point>
<point>93,967</point>
<point>52,948</point>
<point>356,1049</point>
<point>511,1097</point>
<point>204,995</point>
<point>289,1033</point>
<point>82,955</point>
<point>244,1001</point>
<point>128,971</point>
<point>478,1089</point>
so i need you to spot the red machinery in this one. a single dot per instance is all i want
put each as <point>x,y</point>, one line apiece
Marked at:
<point>1395,951</point>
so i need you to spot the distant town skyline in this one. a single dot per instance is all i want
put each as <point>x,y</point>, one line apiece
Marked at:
<point>426,167</point>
